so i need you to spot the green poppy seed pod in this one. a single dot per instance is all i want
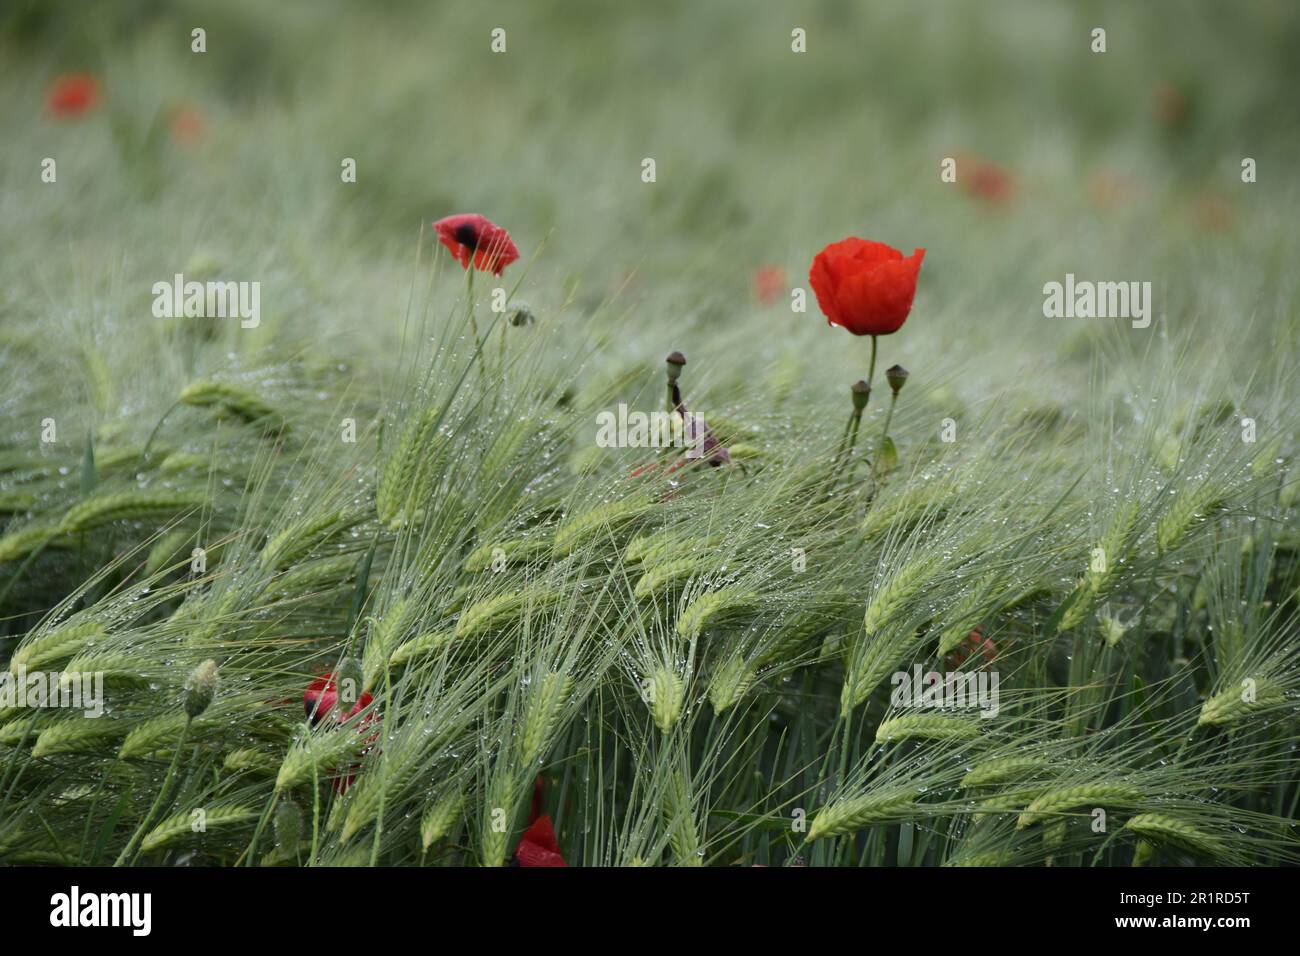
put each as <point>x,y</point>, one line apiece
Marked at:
<point>861,394</point>
<point>200,688</point>
<point>676,361</point>
<point>897,376</point>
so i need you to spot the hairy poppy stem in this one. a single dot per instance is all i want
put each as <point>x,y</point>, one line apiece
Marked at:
<point>889,414</point>
<point>871,372</point>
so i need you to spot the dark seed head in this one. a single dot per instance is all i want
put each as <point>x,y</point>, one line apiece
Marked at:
<point>467,235</point>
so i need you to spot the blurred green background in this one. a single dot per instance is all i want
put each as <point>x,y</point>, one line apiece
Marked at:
<point>1123,165</point>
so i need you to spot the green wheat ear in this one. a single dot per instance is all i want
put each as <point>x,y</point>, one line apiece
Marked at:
<point>77,735</point>
<point>665,693</point>
<point>56,646</point>
<point>1231,706</point>
<point>985,858</point>
<point>304,536</point>
<point>440,817</point>
<point>179,461</point>
<point>1058,801</point>
<point>502,610</point>
<point>154,736</point>
<point>180,826</point>
<point>541,715</point>
<point>233,400</point>
<point>1165,828</point>
<point>318,754</point>
<point>514,551</point>
<point>928,727</point>
<point>730,682</point>
<point>679,817</point>
<point>852,814</point>
<point>1189,508</point>
<point>714,608</point>
<point>672,574</point>
<point>408,471</point>
<point>20,543</point>
<point>426,645</point>
<point>128,506</point>
<point>251,760</point>
<point>1005,770</point>
<point>605,519</point>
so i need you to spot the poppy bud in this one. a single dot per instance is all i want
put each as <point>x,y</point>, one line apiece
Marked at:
<point>897,376</point>
<point>200,688</point>
<point>676,360</point>
<point>861,394</point>
<point>521,316</point>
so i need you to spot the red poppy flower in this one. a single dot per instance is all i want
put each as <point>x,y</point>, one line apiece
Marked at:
<point>73,94</point>
<point>975,643</point>
<point>469,234</point>
<point>321,702</point>
<point>538,846</point>
<point>864,286</point>
<point>769,284</point>
<point>323,695</point>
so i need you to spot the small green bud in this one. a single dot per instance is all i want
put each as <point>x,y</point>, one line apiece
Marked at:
<point>200,688</point>
<point>861,394</point>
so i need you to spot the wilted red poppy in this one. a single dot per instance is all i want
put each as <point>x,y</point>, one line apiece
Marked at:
<point>538,846</point>
<point>73,94</point>
<point>864,286</point>
<point>769,284</point>
<point>470,234</point>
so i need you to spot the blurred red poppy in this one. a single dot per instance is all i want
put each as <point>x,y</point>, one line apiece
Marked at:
<point>975,643</point>
<point>769,284</point>
<point>990,181</point>
<point>188,126</point>
<point>538,846</point>
<point>866,287</point>
<point>469,234</point>
<point>73,95</point>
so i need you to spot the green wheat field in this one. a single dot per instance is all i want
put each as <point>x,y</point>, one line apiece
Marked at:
<point>356,581</point>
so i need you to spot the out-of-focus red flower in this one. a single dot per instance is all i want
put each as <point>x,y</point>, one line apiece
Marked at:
<point>989,181</point>
<point>321,701</point>
<point>538,846</point>
<point>769,284</point>
<point>866,287</point>
<point>975,643</point>
<point>469,234</point>
<point>73,95</point>
<point>188,127</point>
<point>1169,105</point>
<point>1212,212</point>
